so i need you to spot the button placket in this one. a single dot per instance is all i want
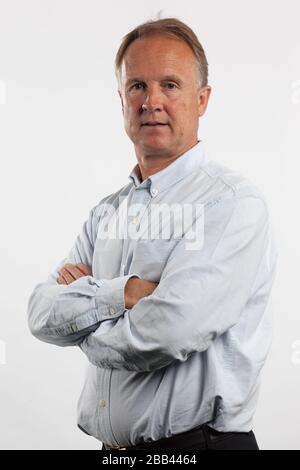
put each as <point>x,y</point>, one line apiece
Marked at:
<point>140,197</point>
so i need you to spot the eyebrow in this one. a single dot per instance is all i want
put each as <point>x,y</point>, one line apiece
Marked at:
<point>172,78</point>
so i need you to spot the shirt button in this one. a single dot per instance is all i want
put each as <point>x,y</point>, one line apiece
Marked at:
<point>112,310</point>
<point>102,403</point>
<point>154,191</point>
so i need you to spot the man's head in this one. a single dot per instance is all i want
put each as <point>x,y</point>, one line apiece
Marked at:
<point>162,71</point>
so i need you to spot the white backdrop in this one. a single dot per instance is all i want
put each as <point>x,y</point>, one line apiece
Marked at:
<point>63,148</point>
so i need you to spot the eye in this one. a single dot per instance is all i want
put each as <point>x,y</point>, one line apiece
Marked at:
<point>172,86</point>
<point>135,86</point>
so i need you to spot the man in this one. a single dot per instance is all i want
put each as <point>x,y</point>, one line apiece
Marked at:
<point>176,328</point>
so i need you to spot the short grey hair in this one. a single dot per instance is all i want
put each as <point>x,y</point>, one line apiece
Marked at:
<point>171,27</point>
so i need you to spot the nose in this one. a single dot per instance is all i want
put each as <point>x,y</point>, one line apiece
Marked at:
<point>153,101</point>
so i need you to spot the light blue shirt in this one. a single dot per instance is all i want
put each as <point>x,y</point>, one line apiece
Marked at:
<point>191,352</point>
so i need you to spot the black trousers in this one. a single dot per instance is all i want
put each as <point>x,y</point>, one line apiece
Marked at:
<point>204,438</point>
<point>215,440</point>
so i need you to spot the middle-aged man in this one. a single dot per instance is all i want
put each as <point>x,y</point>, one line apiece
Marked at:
<point>176,329</point>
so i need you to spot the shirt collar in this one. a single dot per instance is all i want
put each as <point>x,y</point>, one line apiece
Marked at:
<point>182,166</point>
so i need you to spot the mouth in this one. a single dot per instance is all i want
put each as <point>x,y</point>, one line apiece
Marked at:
<point>156,124</point>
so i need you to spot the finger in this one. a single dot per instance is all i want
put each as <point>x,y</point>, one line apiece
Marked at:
<point>69,268</point>
<point>67,276</point>
<point>84,268</point>
<point>74,271</point>
<point>60,280</point>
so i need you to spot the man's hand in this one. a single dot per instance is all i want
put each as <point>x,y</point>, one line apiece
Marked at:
<point>136,289</point>
<point>70,272</point>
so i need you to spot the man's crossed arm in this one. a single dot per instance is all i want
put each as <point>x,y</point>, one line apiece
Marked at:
<point>201,294</point>
<point>134,290</point>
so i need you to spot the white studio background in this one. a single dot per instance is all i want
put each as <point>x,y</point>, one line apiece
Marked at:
<point>63,148</point>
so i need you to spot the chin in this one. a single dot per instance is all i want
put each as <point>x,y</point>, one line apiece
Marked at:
<point>153,146</point>
<point>154,142</point>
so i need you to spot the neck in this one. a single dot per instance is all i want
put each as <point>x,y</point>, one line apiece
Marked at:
<point>149,164</point>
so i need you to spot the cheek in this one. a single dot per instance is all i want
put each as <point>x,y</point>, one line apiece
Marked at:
<point>178,115</point>
<point>128,116</point>
<point>178,109</point>
<point>131,112</point>
<point>188,113</point>
<point>194,105</point>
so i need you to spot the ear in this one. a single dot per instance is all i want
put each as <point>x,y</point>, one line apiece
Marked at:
<point>204,94</point>
<point>120,95</point>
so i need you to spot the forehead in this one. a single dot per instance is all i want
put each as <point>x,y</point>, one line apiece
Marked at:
<point>156,54</point>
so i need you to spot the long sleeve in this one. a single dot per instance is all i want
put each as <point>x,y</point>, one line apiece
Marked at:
<point>201,293</point>
<point>65,314</point>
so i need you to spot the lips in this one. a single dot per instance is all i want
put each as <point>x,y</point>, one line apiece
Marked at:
<point>154,124</point>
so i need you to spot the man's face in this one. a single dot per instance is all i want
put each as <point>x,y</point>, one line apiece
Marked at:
<point>160,82</point>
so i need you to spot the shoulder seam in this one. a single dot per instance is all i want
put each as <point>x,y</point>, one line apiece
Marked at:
<point>233,189</point>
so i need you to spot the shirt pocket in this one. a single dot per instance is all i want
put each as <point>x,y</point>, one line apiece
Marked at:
<point>107,259</point>
<point>150,257</point>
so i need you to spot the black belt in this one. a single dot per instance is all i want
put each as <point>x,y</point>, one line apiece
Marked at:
<point>194,437</point>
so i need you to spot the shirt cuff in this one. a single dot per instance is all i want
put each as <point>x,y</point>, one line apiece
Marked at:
<point>110,296</point>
